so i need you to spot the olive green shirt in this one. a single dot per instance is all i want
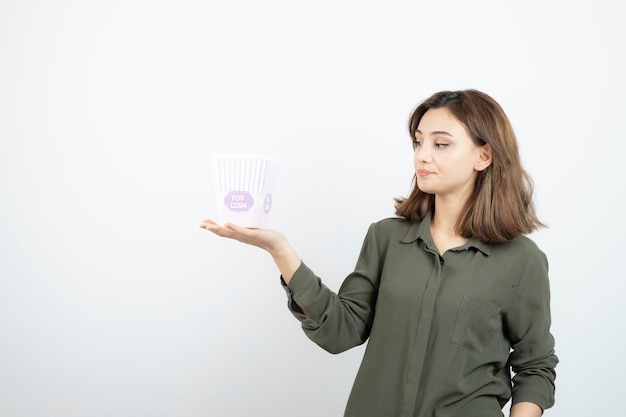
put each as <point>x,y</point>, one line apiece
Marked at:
<point>452,335</point>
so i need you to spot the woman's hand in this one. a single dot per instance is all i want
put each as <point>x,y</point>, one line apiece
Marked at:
<point>263,238</point>
<point>270,240</point>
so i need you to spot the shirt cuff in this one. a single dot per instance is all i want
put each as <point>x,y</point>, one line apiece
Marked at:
<point>302,278</point>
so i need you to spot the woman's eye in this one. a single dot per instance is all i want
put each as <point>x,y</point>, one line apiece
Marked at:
<point>416,143</point>
<point>441,145</point>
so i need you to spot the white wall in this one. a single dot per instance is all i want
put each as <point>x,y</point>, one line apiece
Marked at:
<point>114,303</point>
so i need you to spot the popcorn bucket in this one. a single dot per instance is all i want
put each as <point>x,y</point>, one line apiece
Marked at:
<point>244,184</point>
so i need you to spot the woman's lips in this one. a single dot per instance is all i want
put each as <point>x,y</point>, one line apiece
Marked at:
<point>423,172</point>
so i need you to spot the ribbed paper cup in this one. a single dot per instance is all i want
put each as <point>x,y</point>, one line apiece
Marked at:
<point>244,184</point>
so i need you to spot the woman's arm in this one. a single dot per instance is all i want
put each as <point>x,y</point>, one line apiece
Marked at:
<point>274,242</point>
<point>526,409</point>
<point>335,321</point>
<point>533,360</point>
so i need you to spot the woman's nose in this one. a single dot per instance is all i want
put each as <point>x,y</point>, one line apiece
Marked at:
<point>422,154</point>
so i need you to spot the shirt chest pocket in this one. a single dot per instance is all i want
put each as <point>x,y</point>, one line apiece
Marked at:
<point>478,325</point>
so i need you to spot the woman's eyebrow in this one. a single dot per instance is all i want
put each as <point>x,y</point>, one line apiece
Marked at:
<point>435,132</point>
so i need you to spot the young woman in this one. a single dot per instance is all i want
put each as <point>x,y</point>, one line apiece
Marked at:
<point>451,295</point>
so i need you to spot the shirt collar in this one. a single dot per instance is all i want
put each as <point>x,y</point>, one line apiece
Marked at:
<point>421,231</point>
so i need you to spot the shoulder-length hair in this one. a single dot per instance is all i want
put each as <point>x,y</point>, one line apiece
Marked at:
<point>500,207</point>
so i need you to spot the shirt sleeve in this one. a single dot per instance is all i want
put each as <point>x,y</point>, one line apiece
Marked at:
<point>532,359</point>
<point>342,320</point>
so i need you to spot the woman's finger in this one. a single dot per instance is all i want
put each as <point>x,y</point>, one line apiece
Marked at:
<point>228,230</point>
<point>207,222</point>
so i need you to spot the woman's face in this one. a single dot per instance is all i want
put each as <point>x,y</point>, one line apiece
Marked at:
<point>446,158</point>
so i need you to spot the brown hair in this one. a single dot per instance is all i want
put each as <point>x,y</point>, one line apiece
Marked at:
<point>500,207</point>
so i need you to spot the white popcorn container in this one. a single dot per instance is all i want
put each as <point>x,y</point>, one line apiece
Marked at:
<point>244,184</point>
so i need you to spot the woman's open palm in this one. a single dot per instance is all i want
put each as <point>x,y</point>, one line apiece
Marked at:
<point>263,238</point>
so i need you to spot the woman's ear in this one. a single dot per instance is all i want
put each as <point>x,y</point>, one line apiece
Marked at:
<point>485,157</point>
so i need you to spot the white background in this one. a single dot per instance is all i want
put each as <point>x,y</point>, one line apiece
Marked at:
<point>114,303</point>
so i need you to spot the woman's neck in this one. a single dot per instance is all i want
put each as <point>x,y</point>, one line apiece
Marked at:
<point>443,224</point>
<point>445,215</point>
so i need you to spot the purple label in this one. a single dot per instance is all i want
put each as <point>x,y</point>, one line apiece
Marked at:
<point>238,201</point>
<point>267,203</point>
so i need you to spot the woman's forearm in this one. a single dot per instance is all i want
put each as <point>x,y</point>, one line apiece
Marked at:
<point>272,241</point>
<point>526,409</point>
<point>287,261</point>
